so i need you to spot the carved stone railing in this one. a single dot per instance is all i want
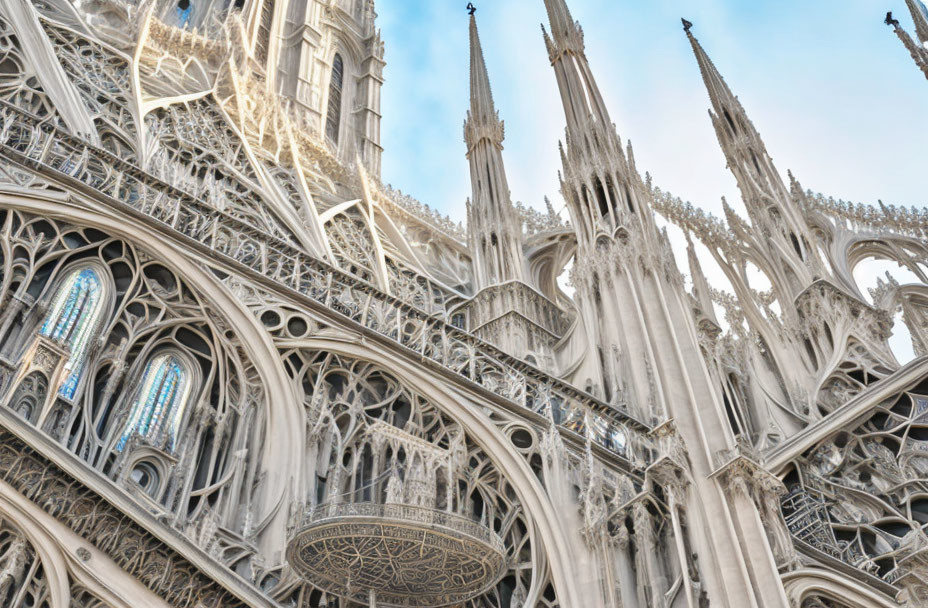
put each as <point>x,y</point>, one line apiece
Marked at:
<point>535,222</point>
<point>406,513</point>
<point>910,222</point>
<point>396,554</point>
<point>49,150</point>
<point>423,213</point>
<point>708,228</point>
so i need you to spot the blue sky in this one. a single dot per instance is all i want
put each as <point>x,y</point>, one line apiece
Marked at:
<point>835,95</point>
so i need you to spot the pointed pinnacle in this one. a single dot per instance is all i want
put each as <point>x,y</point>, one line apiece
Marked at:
<point>920,17</point>
<point>481,96</point>
<point>719,93</point>
<point>560,19</point>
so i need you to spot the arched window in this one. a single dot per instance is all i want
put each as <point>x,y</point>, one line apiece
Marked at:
<point>183,11</point>
<point>157,409</point>
<point>73,319</point>
<point>334,114</point>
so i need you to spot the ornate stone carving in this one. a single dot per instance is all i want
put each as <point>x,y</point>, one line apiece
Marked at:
<point>92,517</point>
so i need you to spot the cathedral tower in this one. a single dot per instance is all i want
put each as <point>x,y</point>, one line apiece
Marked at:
<point>643,349</point>
<point>326,57</point>
<point>778,231</point>
<point>494,228</point>
<point>506,310</point>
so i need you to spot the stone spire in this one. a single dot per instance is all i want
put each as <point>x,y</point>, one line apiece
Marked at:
<point>920,17</point>
<point>701,290</point>
<point>766,197</point>
<point>918,50</point>
<point>494,227</point>
<point>481,95</point>
<point>602,189</point>
<point>563,26</point>
<point>580,95</point>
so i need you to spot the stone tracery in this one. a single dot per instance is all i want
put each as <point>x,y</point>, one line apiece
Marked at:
<point>113,354</point>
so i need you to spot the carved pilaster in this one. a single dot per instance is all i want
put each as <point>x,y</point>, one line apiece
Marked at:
<point>743,477</point>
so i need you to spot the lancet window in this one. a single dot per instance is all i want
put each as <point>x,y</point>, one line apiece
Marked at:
<point>155,346</point>
<point>72,320</point>
<point>158,407</point>
<point>334,115</point>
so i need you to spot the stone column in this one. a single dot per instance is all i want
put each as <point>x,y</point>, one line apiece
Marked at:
<point>650,578</point>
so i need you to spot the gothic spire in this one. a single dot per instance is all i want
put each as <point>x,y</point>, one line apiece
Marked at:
<point>563,26</point>
<point>920,17</point>
<point>778,227</point>
<point>701,289</point>
<point>494,229</point>
<point>481,95</point>
<point>600,186</point>
<point>723,100</point>
<point>747,157</point>
<point>918,50</point>
<point>583,103</point>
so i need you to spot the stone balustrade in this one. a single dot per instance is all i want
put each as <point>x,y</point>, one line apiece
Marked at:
<point>47,149</point>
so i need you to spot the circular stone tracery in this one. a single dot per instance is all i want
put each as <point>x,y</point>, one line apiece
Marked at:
<point>409,556</point>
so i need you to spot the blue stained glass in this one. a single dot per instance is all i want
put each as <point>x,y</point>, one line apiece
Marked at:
<point>72,320</point>
<point>183,15</point>
<point>158,407</point>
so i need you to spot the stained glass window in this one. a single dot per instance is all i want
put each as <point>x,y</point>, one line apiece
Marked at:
<point>73,319</point>
<point>183,10</point>
<point>157,410</point>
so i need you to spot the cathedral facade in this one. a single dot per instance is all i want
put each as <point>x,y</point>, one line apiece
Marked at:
<point>238,370</point>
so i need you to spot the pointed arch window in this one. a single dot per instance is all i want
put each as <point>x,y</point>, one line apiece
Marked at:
<point>183,11</point>
<point>157,410</point>
<point>73,319</point>
<point>334,114</point>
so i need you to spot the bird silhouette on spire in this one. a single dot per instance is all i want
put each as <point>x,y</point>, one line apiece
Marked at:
<point>471,9</point>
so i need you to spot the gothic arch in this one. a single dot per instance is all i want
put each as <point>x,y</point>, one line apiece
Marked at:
<point>465,410</point>
<point>53,293</point>
<point>803,584</point>
<point>281,422</point>
<point>44,567</point>
<point>344,48</point>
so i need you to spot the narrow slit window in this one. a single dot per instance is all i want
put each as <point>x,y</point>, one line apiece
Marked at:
<point>334,114</point>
